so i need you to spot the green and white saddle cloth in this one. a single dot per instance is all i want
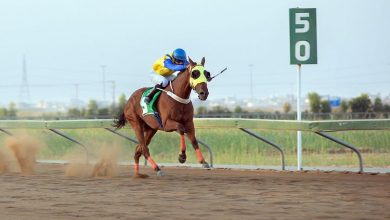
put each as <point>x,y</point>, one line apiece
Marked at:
<point>149,109</point>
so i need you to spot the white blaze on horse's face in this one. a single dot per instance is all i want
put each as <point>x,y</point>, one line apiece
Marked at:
<point>198,81</point>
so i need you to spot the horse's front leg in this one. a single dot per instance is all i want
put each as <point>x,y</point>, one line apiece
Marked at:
<point>182,155</point>
<point>194,142</point>
<point>171,125</point>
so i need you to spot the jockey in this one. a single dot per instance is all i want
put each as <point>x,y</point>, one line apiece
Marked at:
<point>164,68</point>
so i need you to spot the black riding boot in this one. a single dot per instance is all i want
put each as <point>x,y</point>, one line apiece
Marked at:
<point>149,97</point>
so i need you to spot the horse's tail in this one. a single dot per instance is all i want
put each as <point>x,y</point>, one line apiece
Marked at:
<point>120,120</point>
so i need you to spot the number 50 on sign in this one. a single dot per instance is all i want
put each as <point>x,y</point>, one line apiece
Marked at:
<point>303,36</point>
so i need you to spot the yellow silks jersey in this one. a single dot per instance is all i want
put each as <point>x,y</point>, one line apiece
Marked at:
<point>159,68</point>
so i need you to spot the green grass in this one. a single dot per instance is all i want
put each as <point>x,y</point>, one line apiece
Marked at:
<point>230,146</point>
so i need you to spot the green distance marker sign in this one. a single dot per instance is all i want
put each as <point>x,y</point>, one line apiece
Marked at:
<point>303,36</point>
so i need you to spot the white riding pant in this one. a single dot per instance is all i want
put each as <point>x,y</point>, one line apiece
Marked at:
<point>164,80</point>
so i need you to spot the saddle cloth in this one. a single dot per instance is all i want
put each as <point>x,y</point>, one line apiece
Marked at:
<point>150,109</point>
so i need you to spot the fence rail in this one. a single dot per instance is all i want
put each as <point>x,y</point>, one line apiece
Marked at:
<point>317,127</point>
<point>249,115</point>
<point>333,125</point>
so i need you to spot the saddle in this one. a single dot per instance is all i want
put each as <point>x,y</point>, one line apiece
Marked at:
<point>150,109</point>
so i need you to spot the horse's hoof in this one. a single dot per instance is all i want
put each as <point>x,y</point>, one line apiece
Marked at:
<point>182,158</point>
<point>206,165</point>
<point>160,173</point>
<point>141,176</point>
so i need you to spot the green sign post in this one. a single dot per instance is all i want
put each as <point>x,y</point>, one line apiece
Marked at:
<point>303,50</point>
<point>303,36</point>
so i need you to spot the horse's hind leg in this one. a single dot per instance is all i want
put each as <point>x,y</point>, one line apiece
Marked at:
<point>138,130</point>
<point>138,127</point>
<point>148,135</point>
<point>182,156</point>
<point>137,155</point>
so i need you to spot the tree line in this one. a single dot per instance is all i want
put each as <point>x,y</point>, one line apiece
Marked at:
<point>361,104</point>
<point>317,106</point>
<point>92,110</point>
<point>9,112</point>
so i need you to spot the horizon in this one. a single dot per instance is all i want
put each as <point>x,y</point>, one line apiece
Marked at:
<point>270,103</point>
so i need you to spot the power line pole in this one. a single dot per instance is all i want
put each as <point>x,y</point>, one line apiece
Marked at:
<point>251,80</point>
<point>113,93</point>
<point>77,90</point>
<point>104,81</point>
<point>24,95</point>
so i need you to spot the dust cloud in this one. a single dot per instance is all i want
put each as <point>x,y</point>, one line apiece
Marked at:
<point>106,165</point>
<point>78,170</point>
<point>3,163</point>
<point>21,151</point>
<point>19,155</point>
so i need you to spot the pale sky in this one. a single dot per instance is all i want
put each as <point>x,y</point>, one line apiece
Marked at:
<point>66,42</point>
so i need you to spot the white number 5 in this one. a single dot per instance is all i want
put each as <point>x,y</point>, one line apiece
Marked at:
<point>298,20</point>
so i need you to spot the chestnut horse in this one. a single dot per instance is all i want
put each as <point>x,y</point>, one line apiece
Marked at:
<point>176,113</point>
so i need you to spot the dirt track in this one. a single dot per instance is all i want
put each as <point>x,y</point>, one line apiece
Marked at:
<point>194,194</point>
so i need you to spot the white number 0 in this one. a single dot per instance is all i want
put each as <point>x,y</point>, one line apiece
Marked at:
<point>306,50</point>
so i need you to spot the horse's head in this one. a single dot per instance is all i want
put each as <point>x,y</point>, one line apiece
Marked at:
<point>198,78</point>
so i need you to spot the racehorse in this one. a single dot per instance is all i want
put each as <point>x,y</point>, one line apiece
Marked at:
<point>176,114</point>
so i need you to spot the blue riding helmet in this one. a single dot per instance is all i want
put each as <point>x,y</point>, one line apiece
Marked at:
<point>179,54</point>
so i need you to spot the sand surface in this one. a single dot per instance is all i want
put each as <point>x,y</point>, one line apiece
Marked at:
<point>193,193</point>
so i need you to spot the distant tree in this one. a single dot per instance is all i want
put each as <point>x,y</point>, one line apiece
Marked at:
<point>344,106</point>
<point>315,102</point>
<point>378,106</point>
<point>83,112</point>
<point>361,103</point>
<point>286,107</point>
<point>74,113</point>
<point>12,111</point>
<point>219,109</point>
<point>92,108</point>
<point>325,106</point>
<point>103,111</point>
<point>238,109</point>
<point>201,110</point>
<point>386,108</point>
<point>258,110</point>
<point>3,112</point>
<point>122,102</point>
<point>112,110</point>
